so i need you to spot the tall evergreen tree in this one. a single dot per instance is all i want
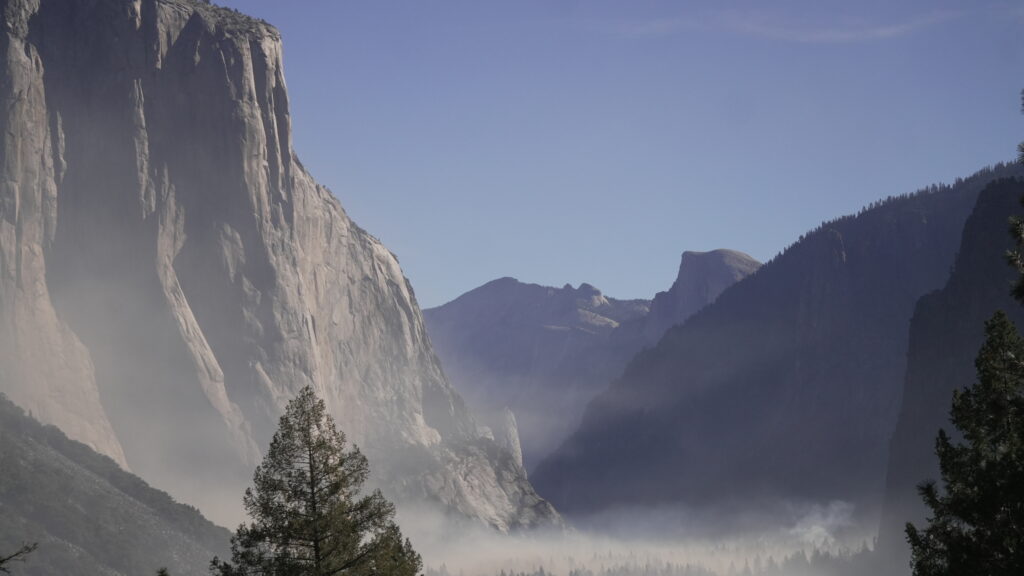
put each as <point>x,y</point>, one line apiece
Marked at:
<point>977,523</point>
<point>309,516</point>
<point>1016,255</point>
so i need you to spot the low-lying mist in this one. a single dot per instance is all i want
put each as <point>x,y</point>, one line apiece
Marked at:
<point>800,539</point>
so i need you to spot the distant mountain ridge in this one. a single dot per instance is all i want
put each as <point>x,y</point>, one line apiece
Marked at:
<point>89,516</point>
<point>511,301</point>
<point>786,389</point>
<point>544,352</point>
<point>506,343</point>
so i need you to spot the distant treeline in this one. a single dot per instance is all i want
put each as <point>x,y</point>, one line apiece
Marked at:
<point>978,179</point>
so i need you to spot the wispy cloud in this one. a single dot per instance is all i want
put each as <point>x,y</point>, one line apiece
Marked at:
<point>831,33</point>
<point>650,28</point>
<point>773,27</point>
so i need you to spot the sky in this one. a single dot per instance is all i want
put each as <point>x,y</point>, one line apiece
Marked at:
<point>591,141</point>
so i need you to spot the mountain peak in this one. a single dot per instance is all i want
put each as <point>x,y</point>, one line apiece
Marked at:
<point>701,278</point>
<point>731,262</point>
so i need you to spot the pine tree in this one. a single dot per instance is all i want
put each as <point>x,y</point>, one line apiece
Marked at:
<point>977,523</point>
<point>1016,256</point>
<point>309,516</point>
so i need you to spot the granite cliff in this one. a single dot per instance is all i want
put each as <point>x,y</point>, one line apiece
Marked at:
<point>702,277</point>
<point>170,274</point>
<point>946,332</point>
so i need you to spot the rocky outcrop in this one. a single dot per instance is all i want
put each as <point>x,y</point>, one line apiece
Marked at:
<point>172,274</point>
<point>506,434</point>
<point>786,388</point>
<point>702,277</point>
<point>946,333</point>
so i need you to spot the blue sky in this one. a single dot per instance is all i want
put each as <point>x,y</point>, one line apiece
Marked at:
<point>570,141</point>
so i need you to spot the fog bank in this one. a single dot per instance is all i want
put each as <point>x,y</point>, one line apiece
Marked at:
<point>805,539</point>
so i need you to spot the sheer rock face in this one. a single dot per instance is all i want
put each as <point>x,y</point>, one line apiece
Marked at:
<point>946,333</point>
<point>37,349</point>
<point>702,277</point>
<point>171,275</point>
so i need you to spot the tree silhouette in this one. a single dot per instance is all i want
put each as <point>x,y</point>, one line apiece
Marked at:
<point>308,514</point>
<point>977,522</point>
